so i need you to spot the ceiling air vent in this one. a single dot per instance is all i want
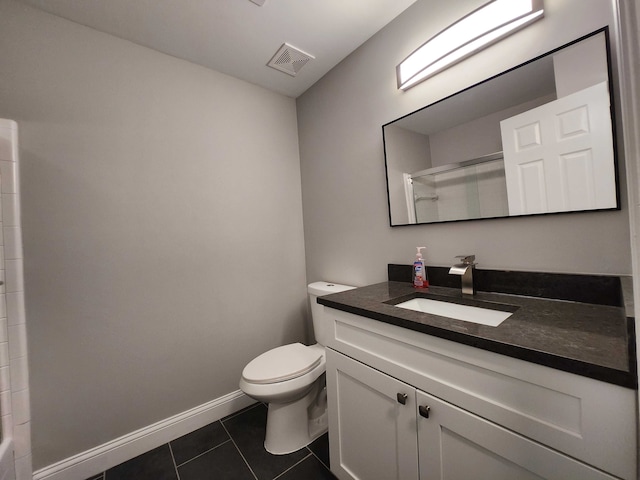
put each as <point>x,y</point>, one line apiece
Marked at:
<point>289,60</point>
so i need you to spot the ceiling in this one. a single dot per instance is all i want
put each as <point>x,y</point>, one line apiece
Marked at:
<point>239,37</point>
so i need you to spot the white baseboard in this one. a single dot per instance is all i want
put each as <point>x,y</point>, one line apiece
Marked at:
<point>110,454</point>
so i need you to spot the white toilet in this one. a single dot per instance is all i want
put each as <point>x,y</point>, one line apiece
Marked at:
<point>291,380</point>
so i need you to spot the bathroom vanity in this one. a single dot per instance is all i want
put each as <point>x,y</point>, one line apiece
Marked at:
<point>549,393</point>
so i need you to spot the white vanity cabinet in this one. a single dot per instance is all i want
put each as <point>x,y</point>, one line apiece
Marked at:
<point>489,416</point>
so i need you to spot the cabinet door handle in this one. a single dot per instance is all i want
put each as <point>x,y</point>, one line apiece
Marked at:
<point>424,410</point>
<point>402,398</point>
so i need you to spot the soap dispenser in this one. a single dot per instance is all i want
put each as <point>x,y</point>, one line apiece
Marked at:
<point>420,279</point>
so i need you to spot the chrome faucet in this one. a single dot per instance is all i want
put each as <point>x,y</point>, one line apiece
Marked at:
<point>465,270</point>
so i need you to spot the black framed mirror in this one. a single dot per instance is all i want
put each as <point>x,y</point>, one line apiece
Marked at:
<point>533,140</point>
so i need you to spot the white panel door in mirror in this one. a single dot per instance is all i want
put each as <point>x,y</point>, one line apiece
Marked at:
<point>559,156</point>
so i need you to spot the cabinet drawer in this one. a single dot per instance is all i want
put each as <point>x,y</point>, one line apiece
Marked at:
<point>582,417</point>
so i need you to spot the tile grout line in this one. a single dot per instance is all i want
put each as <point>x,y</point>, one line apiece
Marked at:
<point>203,453</point>
<point>244,410</point>
<point>239,451</point>
<point>319,459</point>
<point>292,466</point>
<point>173,459</point>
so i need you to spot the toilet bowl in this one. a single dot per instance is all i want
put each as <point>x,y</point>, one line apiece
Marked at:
<point>291,380</point>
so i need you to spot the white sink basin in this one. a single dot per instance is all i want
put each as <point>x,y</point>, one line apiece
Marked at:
<point>483,316</point>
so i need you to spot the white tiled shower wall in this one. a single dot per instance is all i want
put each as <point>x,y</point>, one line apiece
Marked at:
<point>14,377</point>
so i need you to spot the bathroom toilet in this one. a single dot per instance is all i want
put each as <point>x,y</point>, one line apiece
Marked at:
<point>291,380</point>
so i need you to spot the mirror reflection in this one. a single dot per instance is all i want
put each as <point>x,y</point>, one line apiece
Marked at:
<point>536,139</point>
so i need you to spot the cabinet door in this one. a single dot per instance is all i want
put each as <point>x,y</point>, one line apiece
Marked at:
<point>457,445</point>
<point>372,433</point>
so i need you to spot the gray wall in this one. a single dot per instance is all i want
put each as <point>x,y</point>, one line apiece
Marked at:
<point>162,228</point>
<point>347,235</point>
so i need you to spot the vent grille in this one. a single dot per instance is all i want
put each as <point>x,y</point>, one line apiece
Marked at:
<point>289,60</point>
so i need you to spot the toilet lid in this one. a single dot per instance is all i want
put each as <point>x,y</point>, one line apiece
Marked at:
<point>282,363</point>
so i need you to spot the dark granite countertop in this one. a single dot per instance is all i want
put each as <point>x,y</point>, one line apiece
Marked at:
<point>592,340</point>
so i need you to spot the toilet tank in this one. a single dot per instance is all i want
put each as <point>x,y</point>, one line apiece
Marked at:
<point>321,324</point>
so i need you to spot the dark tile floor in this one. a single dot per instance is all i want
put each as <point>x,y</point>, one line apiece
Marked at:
<point>229,449</point>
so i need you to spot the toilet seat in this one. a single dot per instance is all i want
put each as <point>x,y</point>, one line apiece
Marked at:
<point>282,363</point>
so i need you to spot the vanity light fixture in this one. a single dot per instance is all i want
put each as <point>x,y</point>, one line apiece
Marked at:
<point>471,33</point>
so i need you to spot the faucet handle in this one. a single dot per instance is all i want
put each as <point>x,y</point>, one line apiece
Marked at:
<point>467,259</point>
